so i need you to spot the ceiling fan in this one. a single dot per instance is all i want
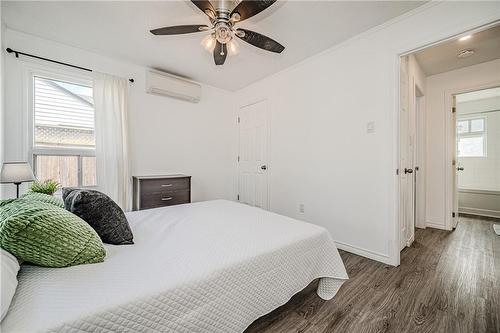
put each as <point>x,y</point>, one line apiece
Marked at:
<point>222,26</point>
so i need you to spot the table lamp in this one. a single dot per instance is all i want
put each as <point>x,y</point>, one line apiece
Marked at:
<point>17,173</point>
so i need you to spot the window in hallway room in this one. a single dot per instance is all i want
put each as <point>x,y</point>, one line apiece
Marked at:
<point>471,137</point>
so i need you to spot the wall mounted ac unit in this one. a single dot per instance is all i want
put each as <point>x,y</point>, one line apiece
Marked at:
<point>165,84</point>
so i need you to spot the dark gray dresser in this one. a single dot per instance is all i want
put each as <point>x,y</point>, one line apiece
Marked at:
<point>159,191</point>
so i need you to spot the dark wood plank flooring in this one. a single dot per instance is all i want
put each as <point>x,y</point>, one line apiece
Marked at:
<point>447,282</point>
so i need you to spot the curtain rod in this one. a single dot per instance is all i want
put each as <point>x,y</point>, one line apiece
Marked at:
<point>17,53</point>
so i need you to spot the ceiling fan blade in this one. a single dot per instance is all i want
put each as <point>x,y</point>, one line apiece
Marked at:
<point>179,29</point>
<point>204,6</point>
<point>261,41</point>
<point>220,53</point>
<point>249,8</point>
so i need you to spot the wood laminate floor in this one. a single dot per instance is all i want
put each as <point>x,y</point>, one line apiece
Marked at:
<point>447,282</point>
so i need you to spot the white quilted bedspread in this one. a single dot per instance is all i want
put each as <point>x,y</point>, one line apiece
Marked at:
<point>212,266</point>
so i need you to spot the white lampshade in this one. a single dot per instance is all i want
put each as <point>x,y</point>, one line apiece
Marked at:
<point>16,172</point>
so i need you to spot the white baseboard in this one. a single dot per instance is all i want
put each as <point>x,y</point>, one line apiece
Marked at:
<point>436,226</point>
<point>365,253</point>
<point>478,211</point>
<point>411,240</point>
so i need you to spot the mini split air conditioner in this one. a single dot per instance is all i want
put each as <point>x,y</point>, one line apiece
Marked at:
<point>160,83</point>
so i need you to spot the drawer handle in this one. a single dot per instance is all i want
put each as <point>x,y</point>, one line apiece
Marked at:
<point>166,199</point>
<point>166,185</point>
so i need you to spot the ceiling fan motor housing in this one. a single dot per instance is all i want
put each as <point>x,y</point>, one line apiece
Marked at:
<point>223,32</point>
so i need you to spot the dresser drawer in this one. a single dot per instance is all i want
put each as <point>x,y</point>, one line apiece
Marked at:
<point>158,191</point>
<point>164,185</point>
<point>164,199</point>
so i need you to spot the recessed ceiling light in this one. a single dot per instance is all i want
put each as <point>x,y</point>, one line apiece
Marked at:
<point>464,38</point>
<point>465,53</point>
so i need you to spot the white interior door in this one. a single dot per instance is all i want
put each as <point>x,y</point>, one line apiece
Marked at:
<point>454,164</point>
<point>407,156</point>
<point>253,155</point>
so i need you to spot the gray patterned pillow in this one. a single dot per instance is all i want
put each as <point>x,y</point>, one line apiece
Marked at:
<point>102,213</point>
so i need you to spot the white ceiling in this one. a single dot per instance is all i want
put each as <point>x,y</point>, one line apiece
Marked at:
<point>121,30</point>
<point>443,57</point>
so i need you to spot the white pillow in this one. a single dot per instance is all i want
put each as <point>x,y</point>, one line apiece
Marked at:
<point>9,269</point>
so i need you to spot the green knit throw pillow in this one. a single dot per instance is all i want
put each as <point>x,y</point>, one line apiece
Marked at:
<point>43,198</point>
<point>46,235</point>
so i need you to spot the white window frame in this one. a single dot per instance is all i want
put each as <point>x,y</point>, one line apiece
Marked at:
<point>58,75</point>
<point>476,134</point>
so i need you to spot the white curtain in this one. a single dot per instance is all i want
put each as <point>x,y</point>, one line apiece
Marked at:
<point>111,107</point>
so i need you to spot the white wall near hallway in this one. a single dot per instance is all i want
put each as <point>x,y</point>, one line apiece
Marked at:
<point>438,118</point>
<point>166,135</point>
<point>321,154</point>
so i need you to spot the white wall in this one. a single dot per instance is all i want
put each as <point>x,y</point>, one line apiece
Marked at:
<point>478,202</point>
<point>321,154</point>
<point>167,135</point>
<point>440,87</point>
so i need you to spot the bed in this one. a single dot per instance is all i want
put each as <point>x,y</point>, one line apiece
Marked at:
<point>212,266</point>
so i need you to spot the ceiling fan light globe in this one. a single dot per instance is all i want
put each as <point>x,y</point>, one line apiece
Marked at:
<point>208,43</point>
<point>233,48</point>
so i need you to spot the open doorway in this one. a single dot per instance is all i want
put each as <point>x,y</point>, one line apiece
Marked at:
<point>441,87</point>
<point>477,126</point>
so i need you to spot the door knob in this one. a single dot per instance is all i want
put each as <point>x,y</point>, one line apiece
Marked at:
<point>263,167</point>
<point>408,170</point>
<point>460,168</point>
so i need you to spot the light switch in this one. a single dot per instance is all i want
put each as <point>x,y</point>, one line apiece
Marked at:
<point>370,127</point>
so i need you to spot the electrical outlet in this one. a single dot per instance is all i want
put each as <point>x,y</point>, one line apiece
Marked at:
<point>301,208</point>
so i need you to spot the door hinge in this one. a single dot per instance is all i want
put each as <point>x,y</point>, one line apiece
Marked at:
<point>238,158</point>
<point>453,109</point>
<point>397,172</point>
<point>238,197</point>
<point>239,120</point>
<point>453,214</point>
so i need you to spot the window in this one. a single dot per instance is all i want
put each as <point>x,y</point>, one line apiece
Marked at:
<point>63,132</point>
<point>471,137</point>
